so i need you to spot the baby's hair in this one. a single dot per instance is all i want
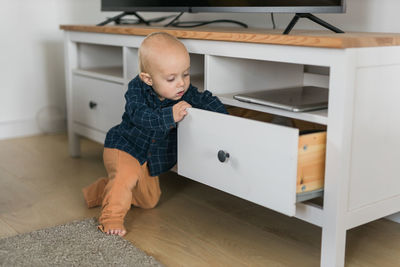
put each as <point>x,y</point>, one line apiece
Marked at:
<point>164,35</point>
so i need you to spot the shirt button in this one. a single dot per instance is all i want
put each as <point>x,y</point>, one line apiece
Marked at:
<point>171,127</point>
<point>153,140</point>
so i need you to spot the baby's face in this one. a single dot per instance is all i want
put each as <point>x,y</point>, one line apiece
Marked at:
<point>170,74</point>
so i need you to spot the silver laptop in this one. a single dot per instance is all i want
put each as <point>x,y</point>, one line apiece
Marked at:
<point>296,99</point>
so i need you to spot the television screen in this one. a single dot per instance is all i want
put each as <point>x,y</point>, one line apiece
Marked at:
<point>295,6</point>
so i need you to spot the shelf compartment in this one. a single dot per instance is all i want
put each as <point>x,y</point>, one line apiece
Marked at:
<point>197,80</point>
<point>226,75</point>
<point>131,62</point>
<point>100,61</point>
<point>197,71</point>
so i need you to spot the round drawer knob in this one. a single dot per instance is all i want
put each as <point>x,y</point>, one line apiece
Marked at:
<point>92,104</point>
<point>223,156</point>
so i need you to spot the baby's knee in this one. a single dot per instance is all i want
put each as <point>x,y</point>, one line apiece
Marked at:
<point>152,201</point>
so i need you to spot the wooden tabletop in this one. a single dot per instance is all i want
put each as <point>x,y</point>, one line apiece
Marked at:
<point>324,39</point>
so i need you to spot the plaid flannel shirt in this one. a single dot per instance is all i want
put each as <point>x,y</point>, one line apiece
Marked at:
<point>148,130</point>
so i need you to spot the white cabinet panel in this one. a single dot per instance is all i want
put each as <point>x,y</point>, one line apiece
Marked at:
<point>375,169</point>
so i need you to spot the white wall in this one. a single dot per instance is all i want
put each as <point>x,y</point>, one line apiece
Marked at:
<point>32,98</point>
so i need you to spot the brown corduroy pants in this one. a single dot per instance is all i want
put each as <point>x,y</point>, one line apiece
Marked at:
<point>128,183</point>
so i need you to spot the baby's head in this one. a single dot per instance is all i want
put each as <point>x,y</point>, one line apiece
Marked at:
<point>164,64</point>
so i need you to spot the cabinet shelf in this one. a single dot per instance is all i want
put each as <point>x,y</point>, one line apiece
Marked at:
<point>113,74</point>
<point>317,116</point>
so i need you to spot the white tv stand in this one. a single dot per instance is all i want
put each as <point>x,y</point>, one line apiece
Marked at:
<point>363,124</point>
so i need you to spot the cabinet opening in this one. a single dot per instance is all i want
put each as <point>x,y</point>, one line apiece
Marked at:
<point>197,71</point>
<point>229,77</point>
<point>103,61</point>
<point>131,62</point>
<point>316,76</point>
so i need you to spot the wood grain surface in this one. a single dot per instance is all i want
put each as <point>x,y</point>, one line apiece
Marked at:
<point>324,39</point>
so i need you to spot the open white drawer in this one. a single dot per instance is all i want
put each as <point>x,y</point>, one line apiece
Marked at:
<point>262,163</point>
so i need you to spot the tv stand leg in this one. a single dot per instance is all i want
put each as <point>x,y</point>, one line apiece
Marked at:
<point>333,246</point>
<point>74,144</point>
<point>312,18</point>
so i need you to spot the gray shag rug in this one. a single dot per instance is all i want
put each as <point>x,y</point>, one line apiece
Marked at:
<point>74,244</point>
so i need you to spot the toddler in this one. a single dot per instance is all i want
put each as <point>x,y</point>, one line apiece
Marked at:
<point>144,144</point>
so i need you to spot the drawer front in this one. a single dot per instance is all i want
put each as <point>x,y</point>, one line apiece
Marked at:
<point>97,104</point>
<point>262,163</point>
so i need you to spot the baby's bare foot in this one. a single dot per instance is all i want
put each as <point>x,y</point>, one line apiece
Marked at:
<point>119,232</point>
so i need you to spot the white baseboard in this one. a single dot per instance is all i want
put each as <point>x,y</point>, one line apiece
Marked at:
<point>394,217</point>
<point>21,128</point>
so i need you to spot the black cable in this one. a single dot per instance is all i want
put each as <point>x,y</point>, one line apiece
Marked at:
<point>273,21</point>
<point>137,21</point>
<point>175,19</point>
<point>180,24</point>
<point>155,20</point>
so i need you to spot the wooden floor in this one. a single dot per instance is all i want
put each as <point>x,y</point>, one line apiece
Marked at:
<point>193,225</point>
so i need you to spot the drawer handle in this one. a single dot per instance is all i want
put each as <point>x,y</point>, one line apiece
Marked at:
<point>92,104</point>
<point>223,156</point>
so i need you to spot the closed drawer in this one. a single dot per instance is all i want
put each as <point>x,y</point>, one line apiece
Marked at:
<point>97,104</point>
<point>266,161</point>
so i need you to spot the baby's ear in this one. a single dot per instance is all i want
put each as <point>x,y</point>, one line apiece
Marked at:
<point>145,77</point>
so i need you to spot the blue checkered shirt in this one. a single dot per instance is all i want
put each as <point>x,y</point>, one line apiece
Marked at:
<point>148,130</point>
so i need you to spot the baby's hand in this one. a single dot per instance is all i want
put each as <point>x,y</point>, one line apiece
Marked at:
<point>179,110</point>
